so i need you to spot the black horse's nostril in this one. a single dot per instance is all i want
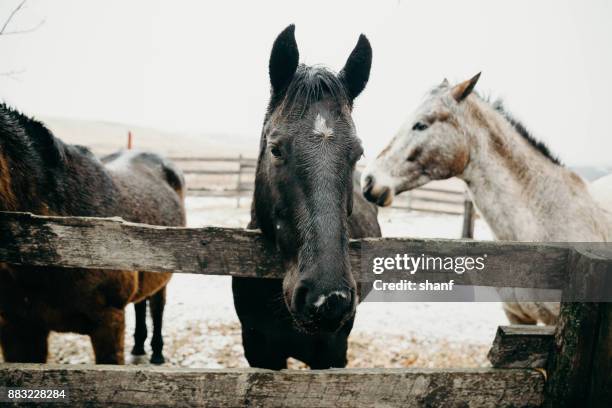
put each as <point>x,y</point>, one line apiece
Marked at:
<point>299,298</point>
<point>327,312</point>
<point>337,309</point>
<point>321,310</point>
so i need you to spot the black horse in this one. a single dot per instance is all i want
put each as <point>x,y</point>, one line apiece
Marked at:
<point>307,202</point>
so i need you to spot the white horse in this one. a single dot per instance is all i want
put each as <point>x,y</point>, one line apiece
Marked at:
<point>521,190</point>
<point>601,190</point>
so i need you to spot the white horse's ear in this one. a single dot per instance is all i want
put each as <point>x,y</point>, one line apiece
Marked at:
<point>444,83</point>
<point>462,90</point>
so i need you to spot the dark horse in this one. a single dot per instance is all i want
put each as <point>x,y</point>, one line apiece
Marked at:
<point>307,202</point>
<point>42,175</point>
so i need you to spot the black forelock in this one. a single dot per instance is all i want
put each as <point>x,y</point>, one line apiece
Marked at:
<point>310,84</point>
<point>540,146</point>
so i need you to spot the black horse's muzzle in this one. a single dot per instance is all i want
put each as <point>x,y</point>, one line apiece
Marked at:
<point>322,310</point>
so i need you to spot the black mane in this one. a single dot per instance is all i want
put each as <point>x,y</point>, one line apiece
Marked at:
<point>34,127</point>
<point>311,84</point>
<point>522,130</point>
<point>27,132</point>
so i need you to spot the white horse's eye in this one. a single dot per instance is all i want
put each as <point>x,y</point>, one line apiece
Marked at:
<point>419,126</point>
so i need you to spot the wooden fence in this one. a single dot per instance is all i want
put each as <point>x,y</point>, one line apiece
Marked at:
<point>427,199</point>
<point>532,366</point>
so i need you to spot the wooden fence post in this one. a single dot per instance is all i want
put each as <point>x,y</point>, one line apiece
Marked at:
<point>239,184</point>
<point>468,218</point>
<point>601,378</point>
<point>129,144</point>
<point>581,360</point>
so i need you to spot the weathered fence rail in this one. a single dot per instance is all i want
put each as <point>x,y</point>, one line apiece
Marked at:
<point>568,368</point>
<point>104,386</point>
<point>116,244</point>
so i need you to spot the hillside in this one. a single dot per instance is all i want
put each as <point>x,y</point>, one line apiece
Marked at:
<point>106,137</point>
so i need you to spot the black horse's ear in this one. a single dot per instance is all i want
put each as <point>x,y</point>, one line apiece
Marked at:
<point>356,71</point>
<point>283,59</point>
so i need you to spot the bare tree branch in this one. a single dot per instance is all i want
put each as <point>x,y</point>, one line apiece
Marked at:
<point>26,30</point>
<point>14,74</point>
<point>10,18</point>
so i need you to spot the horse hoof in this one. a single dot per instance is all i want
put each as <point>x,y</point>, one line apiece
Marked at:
<point>138,351</point>
<point>158,359</point>
<point>139,360</point>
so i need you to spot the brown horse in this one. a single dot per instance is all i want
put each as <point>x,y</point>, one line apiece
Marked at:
<point>42,175</point>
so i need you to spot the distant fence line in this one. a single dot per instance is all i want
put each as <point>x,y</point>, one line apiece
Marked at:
<point>246,167</point>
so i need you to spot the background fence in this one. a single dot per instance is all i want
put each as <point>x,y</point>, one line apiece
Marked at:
<point>233,177</point>
<point>218,172</point>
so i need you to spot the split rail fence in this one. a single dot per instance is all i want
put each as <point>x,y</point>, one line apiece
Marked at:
<point>424,199</point>
<point>243,168</point>
<point>566,366</point>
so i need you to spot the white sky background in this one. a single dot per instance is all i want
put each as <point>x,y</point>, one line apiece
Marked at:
<point>202,66</point>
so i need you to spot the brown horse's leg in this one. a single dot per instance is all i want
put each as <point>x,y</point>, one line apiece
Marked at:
<point>23,343</point>
<point>157,302</point>
<point>140,332</point>
<point>107,337</point>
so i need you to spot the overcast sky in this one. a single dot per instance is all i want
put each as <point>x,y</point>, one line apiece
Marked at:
<point>202,66</point>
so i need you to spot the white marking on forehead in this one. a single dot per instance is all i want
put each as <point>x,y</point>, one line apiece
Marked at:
<point>322,298</point>
<point>320,127</point>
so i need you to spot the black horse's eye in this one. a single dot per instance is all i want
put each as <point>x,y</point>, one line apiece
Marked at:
<point>419,126</point>
<point>356,154</point>
<point>276,152</point>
